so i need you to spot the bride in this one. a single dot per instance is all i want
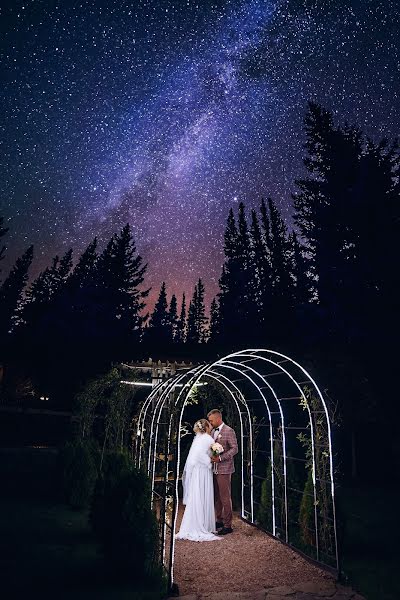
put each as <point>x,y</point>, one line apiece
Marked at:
<point>198,523</point>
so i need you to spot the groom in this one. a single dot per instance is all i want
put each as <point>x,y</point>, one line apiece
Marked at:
<point>224,435</point>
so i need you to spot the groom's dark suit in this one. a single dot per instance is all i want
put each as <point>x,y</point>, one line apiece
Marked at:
<point>222,479</point>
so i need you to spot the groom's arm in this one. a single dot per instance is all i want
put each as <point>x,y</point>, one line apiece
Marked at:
<point>233,447</point>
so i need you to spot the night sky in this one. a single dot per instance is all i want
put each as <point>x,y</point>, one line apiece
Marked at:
<point>166,113</point>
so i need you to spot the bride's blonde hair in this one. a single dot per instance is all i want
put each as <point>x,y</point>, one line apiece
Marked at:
<point>201,426</point>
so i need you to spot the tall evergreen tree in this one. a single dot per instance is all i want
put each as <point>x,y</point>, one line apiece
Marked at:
<point>37,312</point>
<point>262,282</point>
<point>84,269</point>
<point>348,214</point>
<point>214,329</point>
<point>248,281</point>
<point>11,293</point>
<point>282,284</point>
<point>323,205</point>
<point>159,332</point>
<point>191,335</point>
<point>119,277</point>
<point>173,317</point>
<point>180,337</point>
<point>230,283</point>
<point>302,282</point>
<point>159,317</point>
<point>197,320</point>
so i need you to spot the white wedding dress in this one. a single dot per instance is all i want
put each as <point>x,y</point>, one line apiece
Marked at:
<point>198,521</point>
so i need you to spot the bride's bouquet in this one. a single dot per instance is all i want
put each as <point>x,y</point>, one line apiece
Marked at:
<point>216,450</point>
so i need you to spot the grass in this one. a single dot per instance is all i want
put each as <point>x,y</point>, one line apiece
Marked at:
<point>370,550</point>
<point>47,550</point>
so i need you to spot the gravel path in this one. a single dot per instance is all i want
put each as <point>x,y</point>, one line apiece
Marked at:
<point>248,561</point>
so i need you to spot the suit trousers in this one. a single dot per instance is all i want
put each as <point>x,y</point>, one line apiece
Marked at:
<point>222,498</point>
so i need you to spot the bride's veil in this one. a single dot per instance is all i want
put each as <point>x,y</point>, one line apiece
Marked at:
<point>197,449</point>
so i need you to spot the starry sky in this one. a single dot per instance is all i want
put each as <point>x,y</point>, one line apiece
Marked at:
<point>165,113</point>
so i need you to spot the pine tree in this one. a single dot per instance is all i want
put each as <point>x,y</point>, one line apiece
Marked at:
<point>159,318</point>
<point>120,300</point>
<point>131,271</point>
<point>197,320</point>
<point>181,327</point>
<point>230,283</point>
<point>300,265</point>
<point>173,317</point>
<point>282,284</point>
<point>201,319</point>
<point>248,281</point>
<point>214,329</point>
<point>37,307</point>
<point>84,269</point>
<point>11,293</point>
<point>77,306</point>
<point>191,336</point>
<point>159,332</point>
<point>261,275</point>
<point>323,203</point>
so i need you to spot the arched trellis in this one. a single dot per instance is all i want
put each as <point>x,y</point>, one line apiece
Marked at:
<point>285,444</point>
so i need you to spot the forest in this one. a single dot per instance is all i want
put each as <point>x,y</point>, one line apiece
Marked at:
<point>322,288</point>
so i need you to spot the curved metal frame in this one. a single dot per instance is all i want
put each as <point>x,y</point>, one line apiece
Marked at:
<point>164,402</point>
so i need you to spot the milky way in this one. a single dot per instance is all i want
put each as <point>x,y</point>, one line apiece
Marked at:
<point>165,114</point>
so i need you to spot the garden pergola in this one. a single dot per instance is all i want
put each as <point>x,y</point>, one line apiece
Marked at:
<point>285,455</point>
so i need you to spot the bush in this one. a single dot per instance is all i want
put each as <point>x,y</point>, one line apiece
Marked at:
<point>122,519</point>
<point>79,461</point>
<point>264,514</point>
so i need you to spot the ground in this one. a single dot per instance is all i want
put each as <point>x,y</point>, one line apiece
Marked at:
<point>250,564</point>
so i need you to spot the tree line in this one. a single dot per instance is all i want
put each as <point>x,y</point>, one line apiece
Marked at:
<point>323,288</point>
<point>334,274</point>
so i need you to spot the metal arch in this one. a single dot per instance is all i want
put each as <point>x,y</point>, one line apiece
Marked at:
<point>291,361</point>
<point>283,440</point>
<point>194,376</point>
<point>241,429</point>
<point>250,431</point>
<point>157,412</point>
<point>209,367</point>
<point>171,384</point>
<point>228,366</point>
<point>312,441</point>
<point>140,428</point>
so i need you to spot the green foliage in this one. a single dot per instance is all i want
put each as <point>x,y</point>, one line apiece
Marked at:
<point>306,513</point>
<point>264,515</point>
<point>79,460</point>
<point>122,519</point>
<point>106,395</point>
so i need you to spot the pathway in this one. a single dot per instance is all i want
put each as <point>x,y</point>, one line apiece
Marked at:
<point>248,564</point>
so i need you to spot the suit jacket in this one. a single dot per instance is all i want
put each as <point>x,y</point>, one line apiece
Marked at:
<point>227,439</point>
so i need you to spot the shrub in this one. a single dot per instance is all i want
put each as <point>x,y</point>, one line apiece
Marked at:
<point>79,460</point>
<point>264,515</point>
<point>122,519</point>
